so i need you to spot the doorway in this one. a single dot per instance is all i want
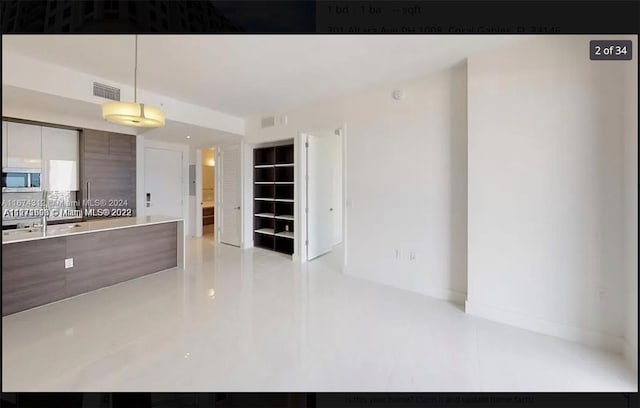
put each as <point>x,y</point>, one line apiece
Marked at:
<point>230,189</point>
<point>208,193</point>
<point>163,182</point>
<point>324,158</point>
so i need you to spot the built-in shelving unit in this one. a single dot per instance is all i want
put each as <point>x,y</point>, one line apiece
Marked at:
<point>273,193</point>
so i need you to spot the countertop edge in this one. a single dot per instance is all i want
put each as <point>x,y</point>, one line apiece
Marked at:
<point>92,231</point>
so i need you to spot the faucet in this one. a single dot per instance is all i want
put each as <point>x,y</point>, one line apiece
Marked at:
<point>45,207</point>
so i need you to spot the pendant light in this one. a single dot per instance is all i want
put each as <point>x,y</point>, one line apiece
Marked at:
<point>133,113</point>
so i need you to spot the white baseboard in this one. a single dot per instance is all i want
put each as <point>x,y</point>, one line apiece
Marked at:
<point>448,294</point>
<point>585,336</point>
<point>437,293</point>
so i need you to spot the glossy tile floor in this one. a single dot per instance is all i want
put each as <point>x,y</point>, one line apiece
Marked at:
<point>254,321</point>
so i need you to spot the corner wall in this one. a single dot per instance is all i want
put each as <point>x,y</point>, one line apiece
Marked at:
<point>545,190</point>
<point>631,208</point>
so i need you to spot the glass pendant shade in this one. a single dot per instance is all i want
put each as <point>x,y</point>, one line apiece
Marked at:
<point>132,114</point>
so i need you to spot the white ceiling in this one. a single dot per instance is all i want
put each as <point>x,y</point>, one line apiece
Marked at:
<point>199,137</point>
<point>245,74</point>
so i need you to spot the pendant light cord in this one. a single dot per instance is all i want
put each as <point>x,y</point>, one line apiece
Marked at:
<point>135,73</point>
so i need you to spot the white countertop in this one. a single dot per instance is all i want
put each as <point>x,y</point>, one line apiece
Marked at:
<point>53,231</point>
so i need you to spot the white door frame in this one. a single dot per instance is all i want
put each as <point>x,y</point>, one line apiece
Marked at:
<point>198,196</point>
<point>217,216</point>
<point>143,143</point>
<point>217,192</point>
<point>302,192</point>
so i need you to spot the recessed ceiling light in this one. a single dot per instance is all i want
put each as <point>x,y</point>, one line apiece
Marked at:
<point>188,137</point>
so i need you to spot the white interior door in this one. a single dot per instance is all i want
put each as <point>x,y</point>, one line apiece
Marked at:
<point>230,195</point>
<point>320,217</point>
<point>337,186</point>
<point>163,182</point>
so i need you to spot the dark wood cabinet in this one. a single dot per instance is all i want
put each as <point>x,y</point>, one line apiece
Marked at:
<point>34,273</point>
<point>108,173</point>
<point>208,215</point>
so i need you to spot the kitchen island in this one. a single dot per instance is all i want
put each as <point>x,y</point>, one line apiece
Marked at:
<point>70,259</point>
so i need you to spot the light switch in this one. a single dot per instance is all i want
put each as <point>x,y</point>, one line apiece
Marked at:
<point>68,263</point>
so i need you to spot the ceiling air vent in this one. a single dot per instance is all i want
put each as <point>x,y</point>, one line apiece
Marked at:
<point>268,121</point>
<point>106,91</point>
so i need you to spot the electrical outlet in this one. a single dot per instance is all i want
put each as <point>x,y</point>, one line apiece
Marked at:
<point>412,256</point>
<point>68,263</point>
<point>601,294</point>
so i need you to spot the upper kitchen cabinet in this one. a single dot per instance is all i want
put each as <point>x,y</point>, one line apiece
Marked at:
<point>123,146</point>
<point>60,157</point>
<point>94,143</point>
<point>108,169</point>
<point>4,144</point>
<point>24,146</point>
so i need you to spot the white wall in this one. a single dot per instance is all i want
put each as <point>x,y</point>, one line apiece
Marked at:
<point>27,73</point>
<point>631,208</point>
<point>404,183</point>
<point>545,202</point>
<point>193,200</point>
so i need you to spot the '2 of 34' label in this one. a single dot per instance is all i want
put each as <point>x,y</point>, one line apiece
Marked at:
<point>610,50</point>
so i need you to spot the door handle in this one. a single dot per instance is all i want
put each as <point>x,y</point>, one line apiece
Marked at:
<point>330,209</point>
<point>89,191</point>
<point>237,208</point>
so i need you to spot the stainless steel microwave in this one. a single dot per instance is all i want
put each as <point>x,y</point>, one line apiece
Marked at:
<point>16,180</point>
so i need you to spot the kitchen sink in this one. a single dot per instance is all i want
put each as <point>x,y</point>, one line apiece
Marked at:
<point>50,228</point>
<point>62,227</point>
<point>20,231</point>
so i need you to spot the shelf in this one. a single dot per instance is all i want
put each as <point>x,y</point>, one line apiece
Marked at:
<point>285,234</point>
<point>273,192</point>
